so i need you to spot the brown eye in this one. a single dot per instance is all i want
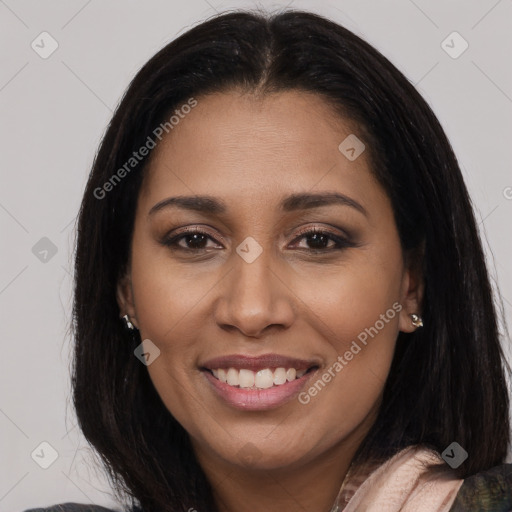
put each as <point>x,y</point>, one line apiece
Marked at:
<point>194,239</point>
<point>324,241</point>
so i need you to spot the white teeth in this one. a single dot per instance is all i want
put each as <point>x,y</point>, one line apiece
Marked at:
<point>279,376</point>
<point>263,379</point>
<point>233,377</point>
<point>246,379</point>
<point>291,374</point>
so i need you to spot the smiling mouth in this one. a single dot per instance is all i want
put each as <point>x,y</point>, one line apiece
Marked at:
<point>265,378</point>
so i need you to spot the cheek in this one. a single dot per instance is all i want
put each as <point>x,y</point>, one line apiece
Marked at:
<point>352,298</point>
<point>356,310</point>
<point>164,300</point>
<point>165,312</point>
<point>166,294</point>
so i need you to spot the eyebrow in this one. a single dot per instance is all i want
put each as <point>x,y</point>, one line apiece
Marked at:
<point>294,202</point>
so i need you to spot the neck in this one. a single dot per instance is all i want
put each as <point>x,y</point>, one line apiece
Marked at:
<point>312,485</point>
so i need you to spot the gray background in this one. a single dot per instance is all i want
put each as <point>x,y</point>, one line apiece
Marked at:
<point>53,113</point>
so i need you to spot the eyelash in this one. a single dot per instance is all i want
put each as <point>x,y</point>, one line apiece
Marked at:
<point>340,242</point>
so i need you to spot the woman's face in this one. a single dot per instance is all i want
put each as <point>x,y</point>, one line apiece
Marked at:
<point>254,297</point>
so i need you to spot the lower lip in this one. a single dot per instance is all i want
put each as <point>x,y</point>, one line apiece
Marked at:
<point>258,399</point>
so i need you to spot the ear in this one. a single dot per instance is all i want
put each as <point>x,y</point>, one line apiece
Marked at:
<point>124,295</point>
<point>413,287</point>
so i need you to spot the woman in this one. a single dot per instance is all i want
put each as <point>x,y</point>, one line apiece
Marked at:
<point>281,299</point>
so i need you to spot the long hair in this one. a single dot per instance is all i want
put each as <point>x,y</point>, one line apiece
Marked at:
<point>447,380</point>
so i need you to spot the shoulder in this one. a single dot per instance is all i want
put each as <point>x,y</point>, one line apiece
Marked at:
<point>73,507</point>
<point>489,490</point>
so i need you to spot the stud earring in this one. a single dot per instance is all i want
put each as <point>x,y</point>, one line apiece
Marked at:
<point>128,323</point>
<point>417,321</point>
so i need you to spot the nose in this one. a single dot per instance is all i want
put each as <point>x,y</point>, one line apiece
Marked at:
<point>255,298</point>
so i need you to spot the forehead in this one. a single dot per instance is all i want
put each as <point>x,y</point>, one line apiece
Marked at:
<point>257,150</point>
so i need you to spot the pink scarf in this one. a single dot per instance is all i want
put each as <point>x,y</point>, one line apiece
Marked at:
<point>400,484</point>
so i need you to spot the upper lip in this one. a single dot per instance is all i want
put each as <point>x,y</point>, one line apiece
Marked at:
<point>239,362</point>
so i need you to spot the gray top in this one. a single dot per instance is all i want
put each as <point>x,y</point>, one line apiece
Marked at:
<point>72,507</point>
